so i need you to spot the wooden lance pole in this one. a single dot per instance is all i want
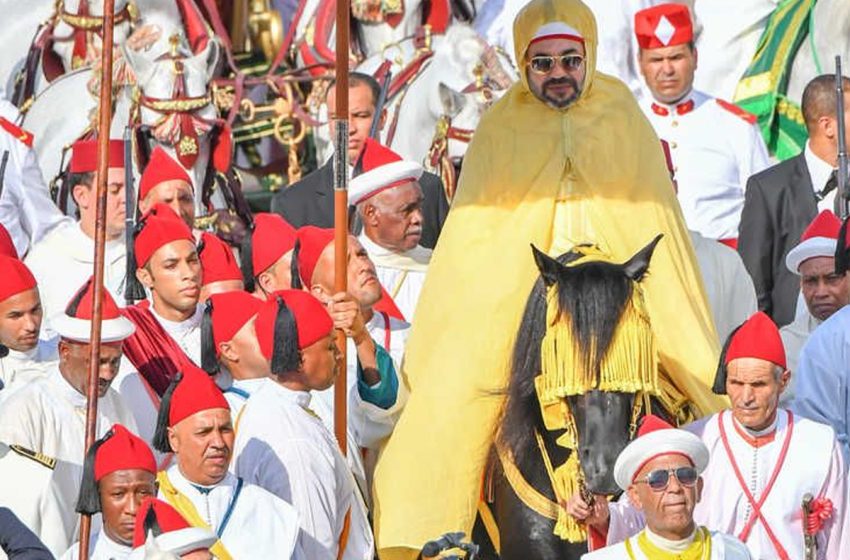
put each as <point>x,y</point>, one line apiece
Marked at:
<point>104,122</point>
<point>341,212</point>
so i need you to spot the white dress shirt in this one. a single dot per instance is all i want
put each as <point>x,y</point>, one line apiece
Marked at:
<point>819,172</point>
<point>101,547</point>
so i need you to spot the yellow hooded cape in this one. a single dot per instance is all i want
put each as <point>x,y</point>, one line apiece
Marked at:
<point>593,172</point>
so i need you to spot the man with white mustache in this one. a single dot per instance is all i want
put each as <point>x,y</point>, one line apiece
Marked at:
<point>388,198</point>
<point>763,461</point>
<point>715,146</point>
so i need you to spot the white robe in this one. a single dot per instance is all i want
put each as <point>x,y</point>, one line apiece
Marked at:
<point>813,465</point>
<point>41,497</point>
<point>393,339</point>
<point>794,336</point>
<point>239,392</point>
<point>822,384</point>
<point>260,524</point>
<point>728,285</point>
<point>63,261</point>
<point>101,547</point>
<point>26,210</point>
<point>401,274</point>
<point>49,416</point>
<point>723,547</point>
<point>284,447</point>
<point>19,368</point>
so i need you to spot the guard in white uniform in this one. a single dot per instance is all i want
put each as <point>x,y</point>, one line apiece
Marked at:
<point>764,460</point>
<point>25,206</point>
<point>283,446</point>
<point>389,200</point>
<point>822,290</point>
<point>23,356</point>
<point>49,415</point>
<point>249,521</point>
<point>64,259</point>
<point>41,492</point>
<point>715,146</point>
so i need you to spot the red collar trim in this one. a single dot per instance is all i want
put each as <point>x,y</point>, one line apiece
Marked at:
<point>754,441</point>
<point>681,108</point>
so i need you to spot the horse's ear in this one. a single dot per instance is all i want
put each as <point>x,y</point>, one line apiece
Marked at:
<point>548,267</point>
<point>451,100</point>
<point>212,55</point>
<point>636,267</point>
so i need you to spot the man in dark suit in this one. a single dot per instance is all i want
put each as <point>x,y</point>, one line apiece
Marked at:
<point>310,200</point>
<point>782,200</point>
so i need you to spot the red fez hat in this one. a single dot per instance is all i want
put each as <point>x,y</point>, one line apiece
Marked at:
<point>75,323</point>
<point>122,450</point>
<point>7,247</point>
<point>664,25</point>
<point>312,241</point>
<point>161,168</point>
<point>217,260</point>
<point>271,237</point>
<point>160,226</point>
<point>118,450</point>
<point>819,240</point>
<point>290,320</point>
<point>84,155</point>
<point>383,169</point>
<point>224,315</point>
<point>15,277</point>
<point>190,392</point>
<point>172,532</point>
<point>757,337</point>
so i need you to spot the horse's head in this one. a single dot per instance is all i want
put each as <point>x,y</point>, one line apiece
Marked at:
<point>470,75</point>
<point>583,360</point>
<point>174,95</point>
<point>598,353</point>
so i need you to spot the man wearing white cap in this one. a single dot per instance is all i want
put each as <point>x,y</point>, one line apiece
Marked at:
<point>170,532</point>
<point>389,199</point>
<point>715,146</point>
<point>49,414</point>
<point>823,290</point>
<point>764,461</point>
<point>661,471</point>
<point>823,376</point>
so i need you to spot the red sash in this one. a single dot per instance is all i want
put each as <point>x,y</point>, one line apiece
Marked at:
<point>156,356</point>
<point>756,506</point>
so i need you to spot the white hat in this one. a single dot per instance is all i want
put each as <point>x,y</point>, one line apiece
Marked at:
<point>382,169</point>
<point>819,240</point>
<point>656,438</point>
<point>556,30</point>
<point>170,531</point>
<point>75,323</point>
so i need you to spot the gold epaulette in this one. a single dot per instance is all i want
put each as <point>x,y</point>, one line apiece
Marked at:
<point>48,462</point>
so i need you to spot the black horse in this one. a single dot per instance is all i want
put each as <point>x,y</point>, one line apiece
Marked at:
<point>594,295</point>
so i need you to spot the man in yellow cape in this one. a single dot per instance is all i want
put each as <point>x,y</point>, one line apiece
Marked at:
<point>591,171</point>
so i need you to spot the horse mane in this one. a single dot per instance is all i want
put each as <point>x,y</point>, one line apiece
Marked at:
<point>593,295</point>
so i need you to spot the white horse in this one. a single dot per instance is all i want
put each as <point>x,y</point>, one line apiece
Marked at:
<point>442,103</point>
<point>70,31</point>
<point>161,110</point>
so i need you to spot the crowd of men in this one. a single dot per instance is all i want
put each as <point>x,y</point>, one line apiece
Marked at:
<point>215,413</point>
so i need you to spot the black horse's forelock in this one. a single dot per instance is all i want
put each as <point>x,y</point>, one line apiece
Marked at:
<point>594,296</point>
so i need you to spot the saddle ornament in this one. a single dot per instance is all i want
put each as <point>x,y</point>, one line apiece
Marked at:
<point>378,11</point>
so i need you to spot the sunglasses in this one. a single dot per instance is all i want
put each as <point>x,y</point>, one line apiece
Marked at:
<point>660,479</point>
<point>543,64</point>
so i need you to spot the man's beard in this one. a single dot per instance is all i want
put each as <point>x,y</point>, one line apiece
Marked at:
<point>555,102</point>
